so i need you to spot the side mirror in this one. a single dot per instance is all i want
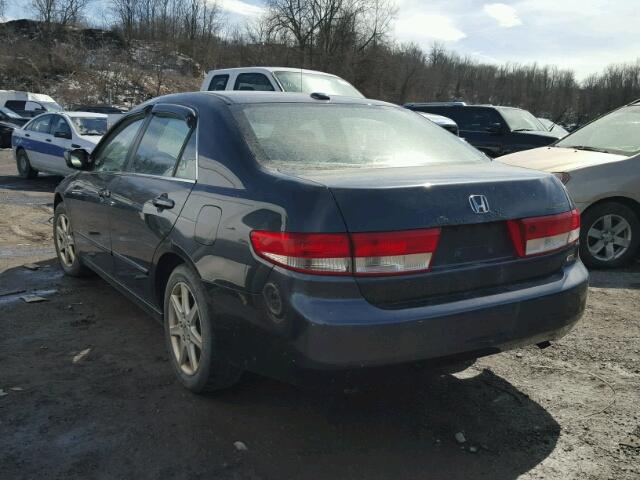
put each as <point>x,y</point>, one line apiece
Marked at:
<point>78,159</point>
<point>65,135</point>
<point>494,128</point>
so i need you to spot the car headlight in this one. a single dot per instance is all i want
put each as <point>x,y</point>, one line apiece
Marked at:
<point>564,177</point>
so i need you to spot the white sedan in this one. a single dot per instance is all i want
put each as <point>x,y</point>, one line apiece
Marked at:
<point>39,146</point>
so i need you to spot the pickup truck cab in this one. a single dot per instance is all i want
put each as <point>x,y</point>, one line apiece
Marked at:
<point>494,130</point>
<point>278,79</point>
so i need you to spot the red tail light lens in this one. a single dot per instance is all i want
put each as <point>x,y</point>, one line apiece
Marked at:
<point>394,253</point>
<point>320,253</point>
<point>537,235</point>
<point>386,253</point>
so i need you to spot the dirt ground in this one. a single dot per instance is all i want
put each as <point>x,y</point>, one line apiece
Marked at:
<point>86,392</point>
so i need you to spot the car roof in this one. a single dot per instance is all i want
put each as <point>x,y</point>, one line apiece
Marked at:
<point>248,97</point>
<point>270,69</point>
<point>84,114</point>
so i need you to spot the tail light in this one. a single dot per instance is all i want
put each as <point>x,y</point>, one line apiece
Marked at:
<point>320,253</point>
<point>386,253</point>
<point>394,253</point>
<point>537,235</point>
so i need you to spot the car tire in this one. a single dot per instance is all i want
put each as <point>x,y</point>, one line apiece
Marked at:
<point>65,244</point>
<point>25,170</point>
<point>198,368</point>
<point>609,236</point>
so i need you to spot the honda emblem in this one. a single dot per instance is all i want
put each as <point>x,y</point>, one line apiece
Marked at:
<point>479,203</point>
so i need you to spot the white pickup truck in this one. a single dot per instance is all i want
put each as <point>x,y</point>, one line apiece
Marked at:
<point>278,79</point>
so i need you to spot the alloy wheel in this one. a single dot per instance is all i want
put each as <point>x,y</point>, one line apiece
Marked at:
<point>609,237</point>
<point>185,328</point>
<point>64,239</point>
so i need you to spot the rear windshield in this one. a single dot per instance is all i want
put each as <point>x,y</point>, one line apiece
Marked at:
<point>297,136</point>
<point>617,132</point>
<point>302,82</point>
<point>90,125</point>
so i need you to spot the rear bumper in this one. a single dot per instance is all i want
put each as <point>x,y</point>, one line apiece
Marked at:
<point>346,333</point>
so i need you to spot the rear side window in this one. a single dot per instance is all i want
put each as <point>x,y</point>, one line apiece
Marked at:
<point>113,154</point>
<point>218,82</point>
<point>253,81</point>
<point>160,146</point>
<point>41,125</point>
<point>15,104</point>
<point>187,165</point>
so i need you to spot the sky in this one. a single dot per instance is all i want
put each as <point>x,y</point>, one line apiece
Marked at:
<point>582,35</point>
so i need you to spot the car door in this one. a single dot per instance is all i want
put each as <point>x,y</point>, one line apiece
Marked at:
<point>34,141</point>
<point>60,140</point>
<point>483,128</point>
<point>148,197</point>
<point>89,196</point>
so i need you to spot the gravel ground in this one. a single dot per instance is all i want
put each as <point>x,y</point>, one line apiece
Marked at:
<point>86,392</point>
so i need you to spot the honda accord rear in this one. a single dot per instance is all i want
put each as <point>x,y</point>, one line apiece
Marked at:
<point>339,233</point>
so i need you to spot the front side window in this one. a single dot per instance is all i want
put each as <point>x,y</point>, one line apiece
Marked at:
<point>522,120</point>
<point>253,81</point>
<point>292,136</point>
<point>60,126</point>
<point>618,132</point>
<point>303,82</point>
<point>41,124</point>
<point>473,119</point>
<point>92,126</point>
<point>160,146</point>
<point>218,82</point>
<point>113,154</point>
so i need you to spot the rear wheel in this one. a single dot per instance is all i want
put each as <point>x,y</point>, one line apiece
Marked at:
<point>609,236</point>
<point>189,334</point>
<point>66,245</point>
<point>24,165</point>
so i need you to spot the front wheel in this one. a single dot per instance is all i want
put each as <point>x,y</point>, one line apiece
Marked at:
<point>189,335</point>
<point>609,236</point>
<point>25,170</point>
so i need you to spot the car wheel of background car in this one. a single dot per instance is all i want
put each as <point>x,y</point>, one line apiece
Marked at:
<point>189,335</point>
<point>24,165</point>
<point>65,244</point>
<point>609,236</point>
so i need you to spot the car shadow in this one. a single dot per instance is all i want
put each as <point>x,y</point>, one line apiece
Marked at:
<point>401,428</point>
<point>625,278</point>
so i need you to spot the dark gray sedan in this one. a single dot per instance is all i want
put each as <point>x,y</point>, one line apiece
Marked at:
<point>288,233</point>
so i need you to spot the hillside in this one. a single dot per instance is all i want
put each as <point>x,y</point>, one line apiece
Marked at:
<point>89,65</point>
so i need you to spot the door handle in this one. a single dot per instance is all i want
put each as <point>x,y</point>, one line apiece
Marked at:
<point>27,135</point>
<point>104,193</point>
<point>48,140</point>
<point>163,202</point>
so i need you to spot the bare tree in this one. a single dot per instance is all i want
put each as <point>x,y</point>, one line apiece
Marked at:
<point>3,8</point>
<point>61,12</point>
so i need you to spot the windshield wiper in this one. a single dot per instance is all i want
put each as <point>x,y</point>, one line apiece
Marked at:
<point>524,130</point>
<point>586,148</point>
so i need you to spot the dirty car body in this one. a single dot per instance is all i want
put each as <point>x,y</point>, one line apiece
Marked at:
<point>339,263</point>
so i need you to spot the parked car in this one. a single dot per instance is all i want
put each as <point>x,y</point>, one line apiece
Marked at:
<point>286,233</point>
<point>278,79</point>
<point>9,121</point>
<point>441,121</point>
<point>493,130</point>
<point>40,145</point>
<point>112,112</point>
<point>27,104</point>
<point>554,127</point>
<point>600,167</point>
